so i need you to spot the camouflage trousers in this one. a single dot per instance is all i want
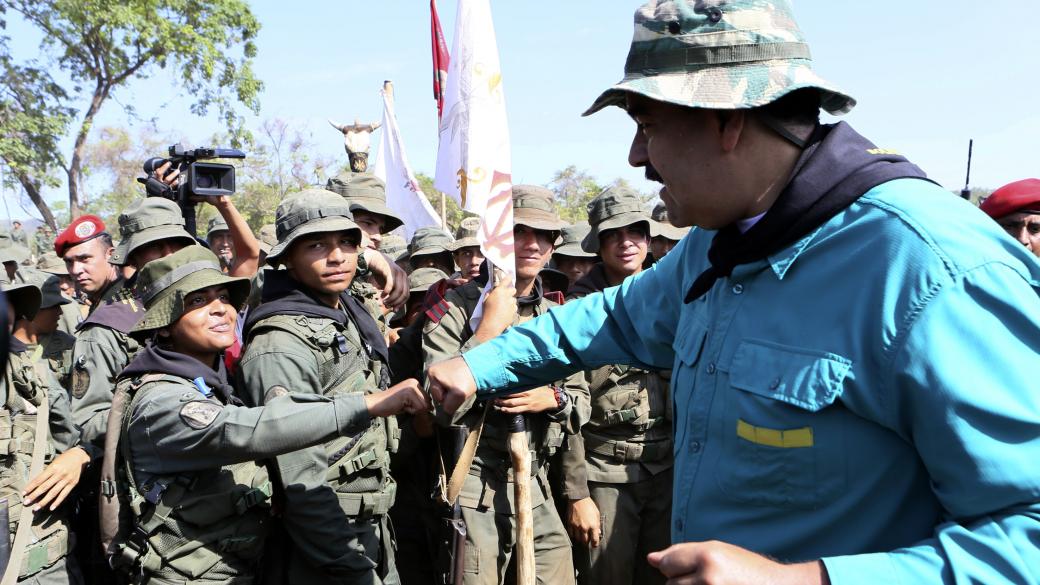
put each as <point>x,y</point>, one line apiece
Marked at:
<point>491,542</point>
<point>635,520</point>
<point>65,571</point>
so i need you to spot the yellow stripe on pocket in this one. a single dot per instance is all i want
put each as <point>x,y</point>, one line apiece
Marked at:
<point>789,439</point>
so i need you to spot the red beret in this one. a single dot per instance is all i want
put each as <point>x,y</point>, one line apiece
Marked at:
<point>1018,196</point>
<point>84,228</point>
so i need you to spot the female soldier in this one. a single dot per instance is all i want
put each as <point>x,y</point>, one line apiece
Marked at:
<point>199,500</point>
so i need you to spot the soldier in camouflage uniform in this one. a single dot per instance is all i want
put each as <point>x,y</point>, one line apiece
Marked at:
<point>41,555</point>
<point>18,234</point>
<point>72,313</point>
<point>486,496</point>
<point>569,258</point>
<point>43,239</point>
<point>465,250</point>
<point>200,503</point>
<point>663,235</point>
<point>47,343</point>
<point>366,195</point>
<point>431,248</point>
<point>218,236</point>
<point>312,335</point>
<point>618,472</point>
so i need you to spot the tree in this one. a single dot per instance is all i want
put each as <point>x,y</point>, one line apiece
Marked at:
<point>574,189</point>
<point>454,213</point>
<point>113,158</point>
<point>101,45</point>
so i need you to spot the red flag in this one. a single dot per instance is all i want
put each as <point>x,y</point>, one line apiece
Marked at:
<point>440,58</point>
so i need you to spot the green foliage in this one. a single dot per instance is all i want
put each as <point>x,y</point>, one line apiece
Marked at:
<point>454,213</point>
<point>112,161</point>
<point>100,45</point>
<point>573,188</point>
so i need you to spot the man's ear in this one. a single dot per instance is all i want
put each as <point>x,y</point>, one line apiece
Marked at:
<point>731,128</point>
<point>109,252</point>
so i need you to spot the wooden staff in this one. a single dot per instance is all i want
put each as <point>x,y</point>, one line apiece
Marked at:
<point>520,453</point>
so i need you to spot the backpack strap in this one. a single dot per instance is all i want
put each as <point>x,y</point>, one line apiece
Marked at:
<point>24,531</point>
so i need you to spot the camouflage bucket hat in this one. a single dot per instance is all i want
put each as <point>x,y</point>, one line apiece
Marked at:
<point>429,240</point>
<point>533,207</point>
<point>719,54</point>
<point>51,264</point>
<point>420,281</point>
<point>216,224</point>
<point>466,235</point>
<point>148,220</point>
<point>613,208</point>
<point>570,241</point>
<point>312,211</point>
<point>366,192</point>
<point>393,245</point>
<point>24,297</point>
<point>661,226</point>
<point>267,237</point>
<point>163,284</point>
<point>50,288</point>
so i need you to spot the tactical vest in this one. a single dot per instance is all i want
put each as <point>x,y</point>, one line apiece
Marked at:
<point>631,415</point>
<point>209,524</point>
<point>50,533</point>
<point>359,465</point>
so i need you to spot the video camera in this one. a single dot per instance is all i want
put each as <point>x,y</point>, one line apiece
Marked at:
<point>199,179</point>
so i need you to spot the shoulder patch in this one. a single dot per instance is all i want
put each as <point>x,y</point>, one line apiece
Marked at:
<point>200,414</point>
<point>438,311</point>
<point>80,377</point>
<point>274,392</point>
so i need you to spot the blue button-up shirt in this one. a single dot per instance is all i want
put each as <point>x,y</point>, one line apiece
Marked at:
<point>868,395</point>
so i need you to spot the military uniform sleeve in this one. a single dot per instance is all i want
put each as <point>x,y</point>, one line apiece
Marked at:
<point>971,411</point>
<point>573,472</point>
<point>64,433</point>
<point>97,360</point>
<point>313,516</point>
<point>633,324</point>
<point>444,339</point>
<point>175,429</point>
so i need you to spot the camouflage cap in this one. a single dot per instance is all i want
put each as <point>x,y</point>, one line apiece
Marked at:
<point>661,226</point>
<point>50,288</point>
<point>268,238</point>
<point>366,192</point>
<point>216,224</point>
<point>429,240</point>
<point>719,54</point>
<point>24,297</point>
<point>163,284</point>
<point>613,208</point>
<point>145,221</point>
<point>420,280</point>
<point>393,245</point>
<point>312,211</point>
<point>50,263</point>
<point>570,241</point>
<point>466,235</point>
<point>533,207</point>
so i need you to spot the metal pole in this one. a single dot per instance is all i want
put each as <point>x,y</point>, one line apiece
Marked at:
<point>966,192</point>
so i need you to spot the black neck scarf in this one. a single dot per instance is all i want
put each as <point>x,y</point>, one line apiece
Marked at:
<point>156,360</point>
<point>837,166</point>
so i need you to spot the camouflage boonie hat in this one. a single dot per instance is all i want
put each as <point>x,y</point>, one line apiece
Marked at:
<point>50,263</point>
<point>533,206</point>
<point>311,211</point>
<point>466,235</point>
<point>393,245</point>
<point>149,220</point>
<point>50,288</point>
<point>267,237</point>
<point>570,241</point>
<point>661,226</point>
<point>216,224</point>
<point>366,192</point>
<point>719,54</point>
<point>613,208</point>
<point>429,240</point>
<point>163,284</point>
<point>24,297</point>
<point>420,280</point>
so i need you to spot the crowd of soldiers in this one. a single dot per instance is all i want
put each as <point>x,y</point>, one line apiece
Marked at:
<point>207,421</point>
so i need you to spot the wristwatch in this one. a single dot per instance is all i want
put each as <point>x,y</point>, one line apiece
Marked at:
<point>561,397</point>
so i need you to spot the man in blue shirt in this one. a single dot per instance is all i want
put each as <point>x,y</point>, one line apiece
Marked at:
<point>853,348</point>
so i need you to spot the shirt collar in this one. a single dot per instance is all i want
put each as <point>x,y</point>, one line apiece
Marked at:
<point>781,261</point>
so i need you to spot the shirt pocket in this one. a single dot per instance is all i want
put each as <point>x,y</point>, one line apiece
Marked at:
<point>782,432</point>
<point>688,347</point>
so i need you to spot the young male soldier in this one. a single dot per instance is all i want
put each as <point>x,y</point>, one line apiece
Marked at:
<point>71,313</point>
<point>42,335</point>
<point>465,250</point>
<point>431,248</point>
<point>569,257</point>
<point>366,195</point>
<point>824,328</point>
<point>18,234</point>
<point>43,239</point>
<point>218,236</point>
<point>663,235</point>
<point>486,497</point>
<point>1016,207</point>
<point>310,333</point>
<point>86,246</point>
<point>618,472</point>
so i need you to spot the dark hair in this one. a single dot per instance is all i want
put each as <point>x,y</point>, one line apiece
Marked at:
<point>106,239</point>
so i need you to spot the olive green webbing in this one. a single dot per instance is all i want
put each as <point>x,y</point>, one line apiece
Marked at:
<point>23,533</point>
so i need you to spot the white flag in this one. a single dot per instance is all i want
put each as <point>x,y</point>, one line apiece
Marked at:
<point>403,194</point>
<point>473,158</point>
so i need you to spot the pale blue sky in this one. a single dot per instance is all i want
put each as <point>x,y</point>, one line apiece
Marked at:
<point>928,74</point>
